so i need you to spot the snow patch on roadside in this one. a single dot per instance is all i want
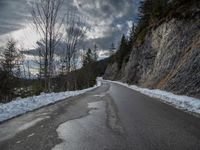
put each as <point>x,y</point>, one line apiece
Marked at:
<point>186,103</point>
<point>21,106</point>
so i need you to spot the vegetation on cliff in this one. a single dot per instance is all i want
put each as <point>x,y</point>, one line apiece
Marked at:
<point>165,49</point>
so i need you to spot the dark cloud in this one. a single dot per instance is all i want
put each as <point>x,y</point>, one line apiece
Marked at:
<point>108,9</point>
<point>108,18</point>
<point>12,15</point>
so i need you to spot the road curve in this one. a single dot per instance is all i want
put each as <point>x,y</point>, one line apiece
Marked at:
<point>111,117</point>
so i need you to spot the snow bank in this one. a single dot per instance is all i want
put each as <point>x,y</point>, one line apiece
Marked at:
<point>186,103</point>
<point>21,106</point>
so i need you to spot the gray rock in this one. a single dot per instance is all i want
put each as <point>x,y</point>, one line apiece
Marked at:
<point>169,59</point>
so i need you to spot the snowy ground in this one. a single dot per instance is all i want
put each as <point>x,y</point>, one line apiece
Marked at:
<point>21,106</point>
<point>185,103</point>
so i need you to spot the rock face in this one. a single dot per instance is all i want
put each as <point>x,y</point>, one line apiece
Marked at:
<point>169,59</point>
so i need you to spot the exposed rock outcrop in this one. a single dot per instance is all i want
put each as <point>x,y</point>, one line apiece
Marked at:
<point>169,59</point>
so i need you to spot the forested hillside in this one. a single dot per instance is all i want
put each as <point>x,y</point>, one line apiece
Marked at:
<point>163,50</point>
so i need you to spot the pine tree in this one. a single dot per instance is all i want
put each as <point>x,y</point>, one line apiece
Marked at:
<point>8,64</point>
<point>145,10</point>
<point>123,51</point>
<point>131,37</point>
<point>95,55</point>
<point>123,44</point>
<point>152,10</point>
<point>112,49</point>
<point>89,67</point>
<point>88,58</point>
<point>9,57</point>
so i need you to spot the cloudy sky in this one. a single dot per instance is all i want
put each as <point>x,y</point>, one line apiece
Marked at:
<point>108,19</point>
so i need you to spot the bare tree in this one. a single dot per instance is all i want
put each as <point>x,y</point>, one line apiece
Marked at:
<point>75,30</point>
<point>76,27</point>
<point>19,64</point>
<point>40,58</point>
<point>48,23</point>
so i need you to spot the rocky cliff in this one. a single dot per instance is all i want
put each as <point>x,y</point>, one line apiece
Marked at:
<point>169,59</point>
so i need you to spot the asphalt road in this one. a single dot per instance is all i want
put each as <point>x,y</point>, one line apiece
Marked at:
<point>111,117</point>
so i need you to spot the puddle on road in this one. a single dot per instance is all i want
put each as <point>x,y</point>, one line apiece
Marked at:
<point>88,133</point>
<point>31,123</point>
<point>9,130</point>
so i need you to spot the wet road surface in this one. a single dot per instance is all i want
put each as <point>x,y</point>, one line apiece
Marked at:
<point>111,117</point>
